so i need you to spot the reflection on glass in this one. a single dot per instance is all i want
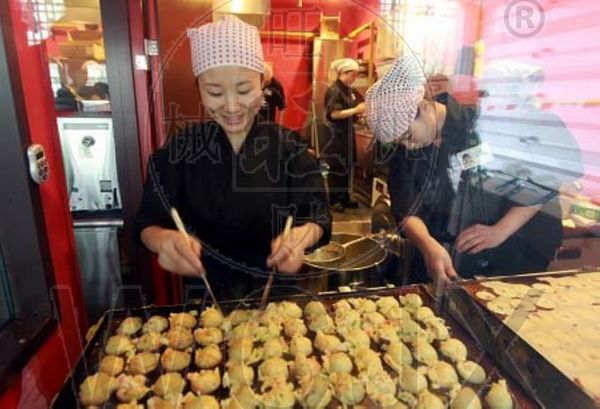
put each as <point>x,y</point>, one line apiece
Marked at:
<point>73,38</point>
<point>6,307</point>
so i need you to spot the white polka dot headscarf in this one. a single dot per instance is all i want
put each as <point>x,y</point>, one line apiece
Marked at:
<point>391,103</point>
<point>228,41</point>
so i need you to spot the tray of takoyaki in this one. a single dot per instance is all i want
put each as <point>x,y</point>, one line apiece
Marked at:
<point>384,348</point>
<point>542,328</point>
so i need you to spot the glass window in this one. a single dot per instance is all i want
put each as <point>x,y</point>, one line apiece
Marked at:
<point>6,302</point>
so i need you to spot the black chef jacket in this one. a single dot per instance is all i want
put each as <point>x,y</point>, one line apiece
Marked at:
<point>235,204</point>
<point>274,99</point>
<point>339,97</point>
<point>420,184</point>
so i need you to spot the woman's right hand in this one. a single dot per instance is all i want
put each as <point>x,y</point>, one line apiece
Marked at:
<point>438,263</point>
<point>177,256</point>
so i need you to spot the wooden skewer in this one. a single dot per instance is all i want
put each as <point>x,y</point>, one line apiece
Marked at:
<point>180,226</point>
<point>286,232</point>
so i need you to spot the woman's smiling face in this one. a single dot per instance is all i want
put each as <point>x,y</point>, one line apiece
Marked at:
<point>232,96</point>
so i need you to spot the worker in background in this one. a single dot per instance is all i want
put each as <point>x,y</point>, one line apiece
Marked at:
<point>273,98</point>
<point>343,104</point>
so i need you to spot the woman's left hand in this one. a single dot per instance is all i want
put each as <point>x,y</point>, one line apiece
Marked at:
<point>287,254</point>
<point>479,237</point>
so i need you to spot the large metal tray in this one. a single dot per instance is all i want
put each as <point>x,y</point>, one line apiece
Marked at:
<point>92,353</point>
<point>541,380</point>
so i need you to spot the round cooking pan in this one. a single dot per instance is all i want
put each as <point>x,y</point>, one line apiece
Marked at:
<point>359,265</point>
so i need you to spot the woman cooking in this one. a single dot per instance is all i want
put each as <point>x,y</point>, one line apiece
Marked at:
<point>440,190</point>
<point>342,104</point>
<point>234,179</point>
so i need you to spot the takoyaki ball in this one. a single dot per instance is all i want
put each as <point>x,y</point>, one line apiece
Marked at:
<point>96,389</point>
<point>322,323</point>
<point>169,384</point>
<point>424,352</point>
<point>173,360</point>
<point>315,393</point>
<point>129,326</point>
<point>428,400</point>
<point>338,362</point>
<point>301,345</point>
<point>244,330</point>
<point>208,336</point>
<point>363,305</point>
<point>410,331</point>
<point>454,349</point>
<point>471,372</point>
<point>294,326</point>
<point>437,328</point>
<point>347,318</point>
<point>411,302</point>
<point>235,318</point>
<point>498,396</point>
<point>155,324</point>
<point>179,338</point>
<point>328,344</point>
<point>112,365</point>
<point>211,317</point>
<point>356,338</point>
<point>206,381</point>
<point>243,352</point>
<point>397,355</point>
<point>382,389</point>
<point>466,399</point>
<point>172,402</point>
<point>397,314</point>
<point>342,305</point>
<point>367,361</point>
<point>150,342</point>
<point>274,348</point>
<point>131,388</point>
<point>273,370</point>
<point>143,363</point>
<point>314,309</point>
<point>245,398</point>
<point>412,381</point>
<point>348,389</point>
<point>183,319</point>
<point>191,401</point>
<point>237,375</point>
<point>290,309</point>
<point>306,367</point>
<point>442,376</point>
<point>385,304</point>
<point>387,333</point>
<point>208,357</point>
<point>279,395</point>
<point>119,345</point>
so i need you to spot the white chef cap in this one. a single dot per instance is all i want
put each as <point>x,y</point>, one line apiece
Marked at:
<point>391,103</point>
<point>344,64</point>
<point>228,41</point>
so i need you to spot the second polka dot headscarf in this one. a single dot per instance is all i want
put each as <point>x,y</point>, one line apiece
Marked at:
<point>228,41</point>
<point>391,103</point>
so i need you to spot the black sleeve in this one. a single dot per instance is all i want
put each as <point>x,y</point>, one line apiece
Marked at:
<point>333,102</point>
<point>163,187</point>
<point>306,189</point>
<point>279,96</point>
<point>399,187</point>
